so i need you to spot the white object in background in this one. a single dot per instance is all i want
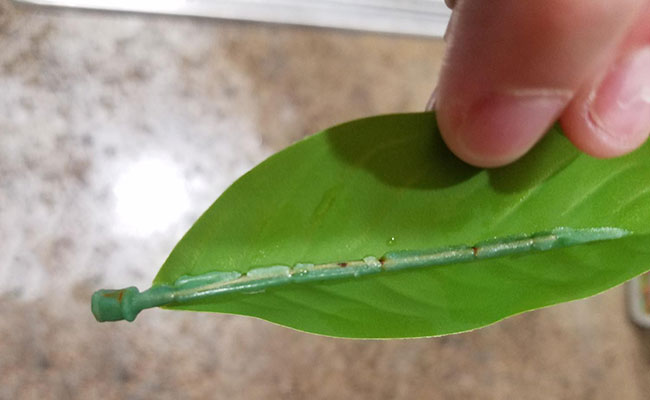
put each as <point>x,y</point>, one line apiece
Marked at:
<point>413,17</point>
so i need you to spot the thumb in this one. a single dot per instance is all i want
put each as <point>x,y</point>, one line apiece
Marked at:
<point>513,66</point>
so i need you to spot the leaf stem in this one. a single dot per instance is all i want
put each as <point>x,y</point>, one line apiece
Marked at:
<point>115,305</point>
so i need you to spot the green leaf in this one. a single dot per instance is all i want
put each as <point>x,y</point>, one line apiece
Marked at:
<point>388,183</point>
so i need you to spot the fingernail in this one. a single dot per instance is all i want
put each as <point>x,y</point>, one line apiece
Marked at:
<point>502,127</point>
<point>431,104</point>
<point>621,105</point>
<point>450,23</point>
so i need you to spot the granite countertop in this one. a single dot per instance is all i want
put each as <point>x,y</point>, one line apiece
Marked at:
<point>100,110</point>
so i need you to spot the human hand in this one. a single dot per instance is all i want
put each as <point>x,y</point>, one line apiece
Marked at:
<point>514,67</point>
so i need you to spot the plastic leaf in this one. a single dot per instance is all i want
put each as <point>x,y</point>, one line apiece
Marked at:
<point>354,202</point>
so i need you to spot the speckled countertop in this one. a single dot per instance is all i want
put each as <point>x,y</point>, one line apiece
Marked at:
<point>97,111</point>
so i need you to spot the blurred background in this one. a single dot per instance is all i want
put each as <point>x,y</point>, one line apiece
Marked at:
<point>118,130</point>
